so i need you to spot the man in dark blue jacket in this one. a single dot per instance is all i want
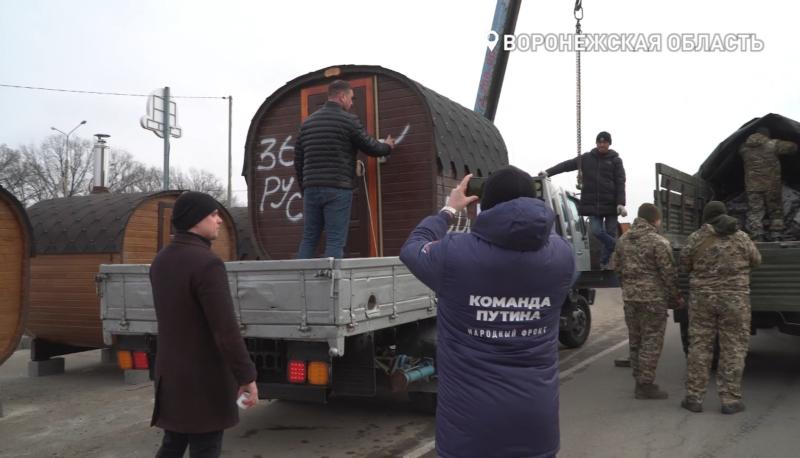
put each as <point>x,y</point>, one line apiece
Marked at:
<point>602,192</point>
<point>325,164</point>
<point>500,291</point>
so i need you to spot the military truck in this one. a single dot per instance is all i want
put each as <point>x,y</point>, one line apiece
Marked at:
<point>775,285</point>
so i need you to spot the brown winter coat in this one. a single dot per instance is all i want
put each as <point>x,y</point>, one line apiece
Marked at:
<point>201,358</point>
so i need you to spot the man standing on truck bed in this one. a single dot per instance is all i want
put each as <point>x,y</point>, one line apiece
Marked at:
<point>500,292</point>
<point>602,191</point>
<point>718,258</point>
<point>649,279</point>
<point>763,184</point>
<point>201,359</point>
<point>325,163</point>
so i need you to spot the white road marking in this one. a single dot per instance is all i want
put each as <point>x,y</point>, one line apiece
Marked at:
<point>423,449</point>
<point>590,360</point>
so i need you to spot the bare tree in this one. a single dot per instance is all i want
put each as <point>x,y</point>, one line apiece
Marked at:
<point>128,175</point>
<point>198,180</point>
<point>51,171</point>
<point>11,172</point>
<point>45,172</point>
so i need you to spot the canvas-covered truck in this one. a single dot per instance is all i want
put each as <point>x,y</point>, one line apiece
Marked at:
<point>775,285</point>
<point>322,327</point>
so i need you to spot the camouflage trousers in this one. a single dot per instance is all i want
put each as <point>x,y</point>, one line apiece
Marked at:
<point>726,315</point>
<point>646,324</point>
<point>760,204</point>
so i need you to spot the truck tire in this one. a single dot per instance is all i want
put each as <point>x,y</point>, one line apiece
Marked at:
<point>579,323</point>
<point>423,402</point>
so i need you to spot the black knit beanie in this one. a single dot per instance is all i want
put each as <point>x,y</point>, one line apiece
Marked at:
<point>190,208</point>
<point>603,136</point>
<point>506,184</point>
<point>713,209</point>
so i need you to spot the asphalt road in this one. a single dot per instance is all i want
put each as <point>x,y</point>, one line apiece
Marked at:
<point>88,411</point>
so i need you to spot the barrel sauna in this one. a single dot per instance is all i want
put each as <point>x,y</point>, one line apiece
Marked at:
<point>74,236</point>
<point>246,248</point>
<point>16,246</point>
<point>438,142</point>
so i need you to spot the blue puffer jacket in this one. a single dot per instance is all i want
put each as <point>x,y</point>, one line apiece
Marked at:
<point>500,292</point>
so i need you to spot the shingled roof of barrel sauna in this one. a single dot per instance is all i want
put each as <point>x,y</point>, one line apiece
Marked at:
<point>74,236</point>
<point>438,142</point>
<point>246,248</point>
<point>16,247</point>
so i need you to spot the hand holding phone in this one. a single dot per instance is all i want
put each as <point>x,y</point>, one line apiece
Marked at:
<point>459,199</point>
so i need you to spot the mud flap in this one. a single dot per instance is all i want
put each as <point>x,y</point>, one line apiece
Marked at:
<point>354,373</point>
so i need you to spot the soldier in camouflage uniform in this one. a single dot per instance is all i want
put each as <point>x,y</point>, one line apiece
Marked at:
<point>718,258</point>
<point>649,278</point>
<point>762,179</point>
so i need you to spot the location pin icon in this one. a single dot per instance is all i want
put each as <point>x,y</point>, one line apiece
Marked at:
<point>492,40</point>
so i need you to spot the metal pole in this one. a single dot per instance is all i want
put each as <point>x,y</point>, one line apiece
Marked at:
<point>65,172</point>
<point>166,127</point>
<point>66,164</point>
<point>230,156</point>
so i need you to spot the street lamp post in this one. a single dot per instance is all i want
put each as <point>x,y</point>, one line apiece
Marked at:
<point>65,174</point>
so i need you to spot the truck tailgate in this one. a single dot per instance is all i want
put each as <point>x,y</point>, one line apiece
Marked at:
<point>317,299</point>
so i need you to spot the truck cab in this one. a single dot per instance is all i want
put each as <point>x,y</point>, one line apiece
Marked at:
<point>575,313</point>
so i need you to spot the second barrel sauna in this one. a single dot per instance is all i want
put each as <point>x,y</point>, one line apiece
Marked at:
<point>438,142</point>
<point>16,246</point>
<point>74,235</point>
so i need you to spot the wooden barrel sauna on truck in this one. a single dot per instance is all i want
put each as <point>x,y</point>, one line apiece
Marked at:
<point>438,142</point>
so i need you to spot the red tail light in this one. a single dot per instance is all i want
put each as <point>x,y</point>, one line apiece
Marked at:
<point>297,371</point>
<point>140,360</point>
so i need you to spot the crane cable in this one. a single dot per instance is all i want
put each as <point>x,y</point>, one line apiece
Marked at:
<point>578,14</point>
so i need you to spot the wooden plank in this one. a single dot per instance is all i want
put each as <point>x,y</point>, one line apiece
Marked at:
<point>14,263</point>
<point>69,260</point>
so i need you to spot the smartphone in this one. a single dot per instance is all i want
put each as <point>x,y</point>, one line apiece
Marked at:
<point>475,186</point>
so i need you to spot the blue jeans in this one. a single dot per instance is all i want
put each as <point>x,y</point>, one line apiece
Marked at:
<point>328,209</point>
<point>604,228</point>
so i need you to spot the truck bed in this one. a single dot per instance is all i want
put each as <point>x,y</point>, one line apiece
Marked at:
<point>775,284</point>
<point>309,299</point>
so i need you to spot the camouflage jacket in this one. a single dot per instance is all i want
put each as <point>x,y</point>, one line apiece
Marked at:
<point>719,259</point>
<point>643,260</point>
<point>762,169</point>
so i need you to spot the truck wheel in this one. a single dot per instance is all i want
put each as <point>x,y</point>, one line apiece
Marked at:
<point>423,402</point>
<point>579,324</point>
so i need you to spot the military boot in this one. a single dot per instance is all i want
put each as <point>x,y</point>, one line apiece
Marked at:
<point>649,391</point>
<point>692,405</point>
<point>733,407</point>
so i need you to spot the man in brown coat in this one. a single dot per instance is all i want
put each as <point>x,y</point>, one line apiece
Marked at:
<point>202,364</point>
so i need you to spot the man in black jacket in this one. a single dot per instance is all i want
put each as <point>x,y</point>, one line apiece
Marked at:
<point>602,193</point>
<point>325,163</point>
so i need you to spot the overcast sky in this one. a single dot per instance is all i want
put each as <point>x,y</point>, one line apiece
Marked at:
<point>671,107</point>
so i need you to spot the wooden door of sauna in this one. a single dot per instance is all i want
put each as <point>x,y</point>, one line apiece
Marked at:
<point>362,240</point>
<point>165,228</point>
